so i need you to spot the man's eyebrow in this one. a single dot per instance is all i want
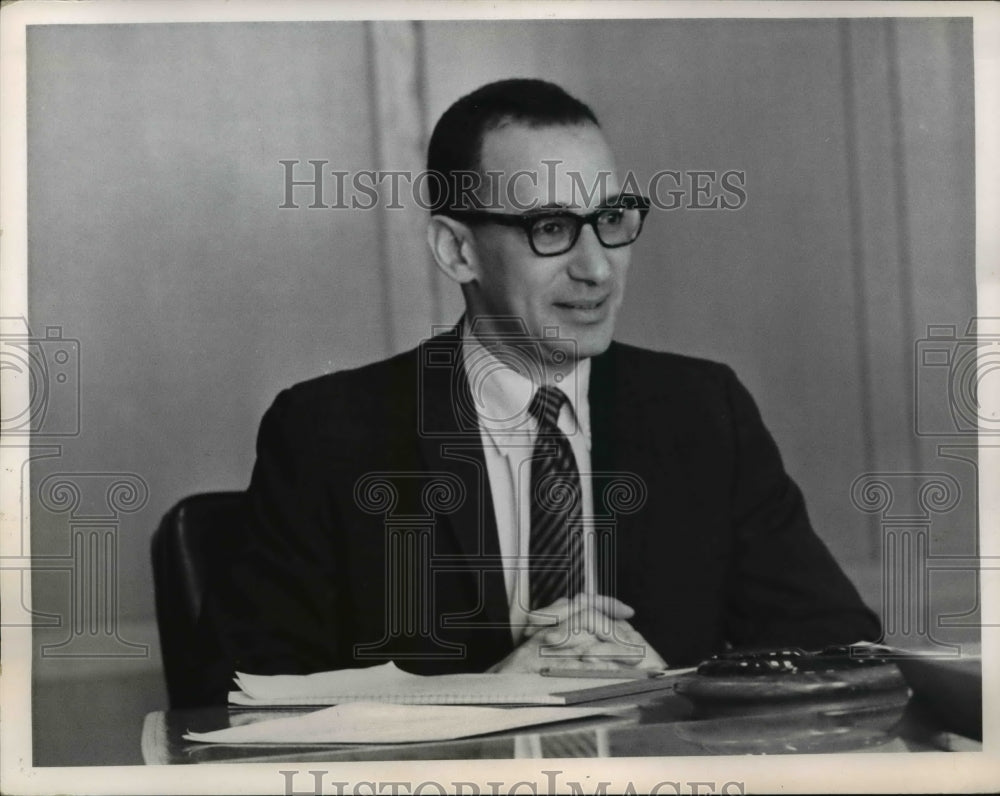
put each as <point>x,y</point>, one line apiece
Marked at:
<point>608,201</point>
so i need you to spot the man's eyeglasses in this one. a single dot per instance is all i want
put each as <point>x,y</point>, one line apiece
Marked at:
<point>554,232</point>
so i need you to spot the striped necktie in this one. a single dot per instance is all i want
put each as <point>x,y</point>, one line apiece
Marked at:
<point>556,547</point>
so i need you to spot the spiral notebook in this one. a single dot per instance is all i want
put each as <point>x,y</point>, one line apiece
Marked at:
<point>388,683</point>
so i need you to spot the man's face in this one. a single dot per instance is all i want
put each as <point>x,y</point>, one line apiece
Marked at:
<point>578,292</point>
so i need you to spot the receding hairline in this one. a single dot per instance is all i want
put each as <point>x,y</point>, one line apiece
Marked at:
<point>528,123</point>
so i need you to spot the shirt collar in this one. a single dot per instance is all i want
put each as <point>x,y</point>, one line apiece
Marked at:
<point>501,395</point>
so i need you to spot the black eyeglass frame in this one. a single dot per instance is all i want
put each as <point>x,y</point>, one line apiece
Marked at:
<point>526,221</point>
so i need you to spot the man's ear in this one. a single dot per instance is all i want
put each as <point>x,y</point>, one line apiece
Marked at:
<point>452,247</point>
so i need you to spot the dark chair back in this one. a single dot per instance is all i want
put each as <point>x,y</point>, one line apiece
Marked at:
<point>196,538</point>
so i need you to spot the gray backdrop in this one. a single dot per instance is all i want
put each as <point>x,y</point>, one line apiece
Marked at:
<point>157,242</point>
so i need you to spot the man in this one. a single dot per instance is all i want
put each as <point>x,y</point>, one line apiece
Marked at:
<point>521,491</point>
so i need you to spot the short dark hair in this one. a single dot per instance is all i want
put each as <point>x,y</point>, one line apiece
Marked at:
<point>457,141</point>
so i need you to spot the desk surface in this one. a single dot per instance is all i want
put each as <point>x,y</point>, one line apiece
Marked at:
<point>659,724</point>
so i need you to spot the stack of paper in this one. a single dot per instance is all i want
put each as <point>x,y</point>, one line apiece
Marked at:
<point>387,683</point>
<point>367,722</point>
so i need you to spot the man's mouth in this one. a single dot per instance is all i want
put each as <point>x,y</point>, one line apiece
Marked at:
<point>581,305</point>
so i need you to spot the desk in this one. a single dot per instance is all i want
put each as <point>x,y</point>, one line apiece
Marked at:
<point>659,724</point>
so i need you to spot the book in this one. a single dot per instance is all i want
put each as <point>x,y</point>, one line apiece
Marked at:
<point>388,683</point>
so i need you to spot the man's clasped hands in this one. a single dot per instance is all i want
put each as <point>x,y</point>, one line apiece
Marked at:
<point>585,632</point>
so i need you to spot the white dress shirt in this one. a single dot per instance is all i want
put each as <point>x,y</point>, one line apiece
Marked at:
<point>502,396</point>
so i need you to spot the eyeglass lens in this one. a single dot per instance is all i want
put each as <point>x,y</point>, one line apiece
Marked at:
<point>557,233</point>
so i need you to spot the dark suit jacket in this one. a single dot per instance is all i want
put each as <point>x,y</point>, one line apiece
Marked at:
<point>373,536</point>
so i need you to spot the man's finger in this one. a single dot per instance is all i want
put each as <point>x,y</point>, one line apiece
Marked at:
<point>591,624</point>
<point>594,609</point>
<point>550,614</point>
<point>613,607</point>
<point>597,649</point>
<point>562,608</point>
<point>586,644</point>
<point>561,637</point>
<point>590,621</point>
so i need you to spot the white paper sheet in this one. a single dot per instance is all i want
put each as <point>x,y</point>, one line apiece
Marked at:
<point>388,683</point>
<point>375,722</point>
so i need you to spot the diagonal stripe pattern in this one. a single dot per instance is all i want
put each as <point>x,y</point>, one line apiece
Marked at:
<point>556,546</point>
<point>570,744</point>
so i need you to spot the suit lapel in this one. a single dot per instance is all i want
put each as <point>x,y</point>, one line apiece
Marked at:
<point>450,442</point>
<point>631,447</point>
<point>605,444</point>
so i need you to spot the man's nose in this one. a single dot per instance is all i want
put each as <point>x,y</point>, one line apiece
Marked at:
<point>590,262</point>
